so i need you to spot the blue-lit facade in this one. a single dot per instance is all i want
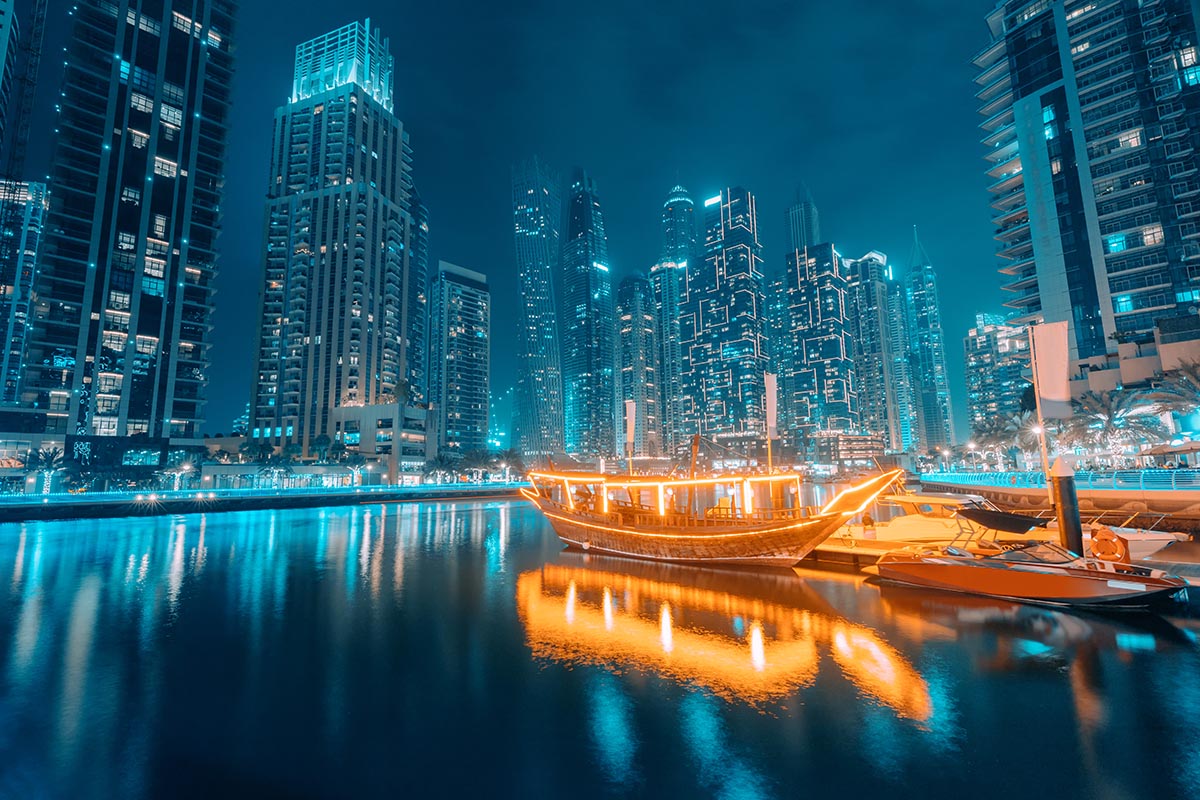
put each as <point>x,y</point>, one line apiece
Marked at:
<point>22,221</point>
<point>460,353</point>
<point>879,388</point>
<point>819,380</point>
<point>637,340</point>
<point>537,216</point>
<point>123,297</point>
<point>668,278</point>
<point>1090,122</point>
<point>927,354</point>
<point>342,313</point>
<point>723,327</point>
<point>589,327</point>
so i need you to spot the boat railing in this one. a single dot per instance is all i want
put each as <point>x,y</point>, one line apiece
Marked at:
<point>630,515</point>
<point>1148,480</point>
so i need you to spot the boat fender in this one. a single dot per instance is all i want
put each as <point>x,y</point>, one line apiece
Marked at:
<point>1108,546</point>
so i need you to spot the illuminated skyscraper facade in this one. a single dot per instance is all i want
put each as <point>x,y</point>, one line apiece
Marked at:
<point>804,223</point>
<point>869,283</point>
<point>589,327</point>
<point>1091,112</point>
<point>460,356</point>
<point>124,294</point>
<point>927,354</point>
<point>637,324</point>
<point>22,219</point>
<point>341,284</point>
<point>820,387</point>
<point>723,327</point>
<point>537,215</point>
<point>668,278</point>
<point>997,357</point>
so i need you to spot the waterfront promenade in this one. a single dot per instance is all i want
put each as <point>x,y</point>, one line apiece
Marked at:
<point>99,505</point>
<point>1155,498</point>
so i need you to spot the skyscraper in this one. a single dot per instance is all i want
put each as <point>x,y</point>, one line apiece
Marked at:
<point>723,325</point>
<point>124,293</point>
<point>589,327</point>
<point>927,353</point>
<point>460,356</point>
<point>537,214</point>
<point>997,356</point>
<point>10,40</point>
<point>1090,126</point>
<point>804,223</point>
<point>869,282</point>
<point>667,280</point>
<point>22,217</point>
<point>637,323</point>
<point>819,384</point>
<point>341,284</point>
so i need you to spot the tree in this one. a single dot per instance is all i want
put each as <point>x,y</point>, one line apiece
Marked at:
<point>320,446</point>
<point>337,451</point>
<point>256,451</point>
<point>441,469</point>
<point>992,435</point>
<point>1179,391</point>
<point>1113,421</point>
<point>477,463</point>
<point>291,452</point>
<point>513,460</point>
<point>44,462</point>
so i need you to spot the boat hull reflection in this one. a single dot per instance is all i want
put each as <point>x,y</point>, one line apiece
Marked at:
<point>743,635</point>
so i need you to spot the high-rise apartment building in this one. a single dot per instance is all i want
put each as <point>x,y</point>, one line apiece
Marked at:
<point>460,357</point>
<point>997,356</point>
<point>723,327</point>
<point>637,324</point>
<point>124,294</point>
<point>589,327</point>
<point>902,366</point>
<point>10,40</point>
<point>820,388</point>
<point>537,215</point>
<point>22,217</point>
<point>869,281</point>
<point>342,285</point>
<point>668,278</point>
<point>804,223</point>
<point>927,353</point>
<point>1091,112</point>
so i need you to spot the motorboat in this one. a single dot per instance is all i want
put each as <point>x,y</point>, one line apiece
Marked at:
<point>730,519</point>
<point>933,518</point>
<point>1034,571</point>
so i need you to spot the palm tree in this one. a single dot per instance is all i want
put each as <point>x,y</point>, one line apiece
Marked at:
<point>441,469</point>
<point>45,462</point>
<point>1180,390</point>
<point>320,446</point>
<point>1113,420</point>
<point>337,451</point>
<point>477,462</point>
<point>512,460</point>
<point>291,452</point>
<point>992,435</point>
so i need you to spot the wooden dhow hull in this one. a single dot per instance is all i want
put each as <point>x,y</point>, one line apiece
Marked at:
<point>775,542</point>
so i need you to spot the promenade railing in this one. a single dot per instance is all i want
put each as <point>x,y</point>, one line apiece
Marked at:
<point>1147,480</point>
<point>209,495</point>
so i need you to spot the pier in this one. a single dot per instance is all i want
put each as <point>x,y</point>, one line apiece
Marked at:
<point>1149,498</point>
<point>100,505</point>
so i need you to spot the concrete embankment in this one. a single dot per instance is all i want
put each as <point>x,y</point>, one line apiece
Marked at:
<point>100,505</point>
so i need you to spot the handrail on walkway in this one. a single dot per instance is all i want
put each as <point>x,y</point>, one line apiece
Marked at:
<point>1147,480</point>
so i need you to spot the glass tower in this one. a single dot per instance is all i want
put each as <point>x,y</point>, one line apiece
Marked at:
<point>927,353</point>
<point>804,223</point>
<point>460,354</point>
<point>124,294</point>
<point>1090,114</point>
<point>589,327</point>
<point>723,327</point>
<point>343,285</point>
<point>667,280</point>
<point>997,355</point>
<point>870,278</point>
<point>537,214</point>
<point>637,322</point>
<point>821,387</point>
<point>22,219</point>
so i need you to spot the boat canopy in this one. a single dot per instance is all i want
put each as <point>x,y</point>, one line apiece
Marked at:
<point>1002,521</point>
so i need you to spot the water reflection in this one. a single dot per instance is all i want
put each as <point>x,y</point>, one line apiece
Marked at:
<point>743,635</point>
<point>452,649</point>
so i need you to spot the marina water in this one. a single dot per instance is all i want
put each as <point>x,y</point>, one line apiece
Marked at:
<point>452,649</point>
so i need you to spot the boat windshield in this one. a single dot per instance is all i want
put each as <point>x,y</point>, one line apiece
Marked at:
<point>1035,553</point>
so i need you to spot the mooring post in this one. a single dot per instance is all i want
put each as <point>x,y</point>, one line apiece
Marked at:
<point>1066,504</point>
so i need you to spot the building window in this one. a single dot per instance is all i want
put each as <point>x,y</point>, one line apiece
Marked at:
<point>140,102</point>
<point>164,167</point>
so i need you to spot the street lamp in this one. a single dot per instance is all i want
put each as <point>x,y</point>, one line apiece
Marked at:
<point>971,447</point>
<point>945,459</point>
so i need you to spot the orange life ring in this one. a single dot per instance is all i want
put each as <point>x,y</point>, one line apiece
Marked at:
<point>1107,546</point>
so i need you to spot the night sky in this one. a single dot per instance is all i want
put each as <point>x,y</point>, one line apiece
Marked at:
<point>871,104</point>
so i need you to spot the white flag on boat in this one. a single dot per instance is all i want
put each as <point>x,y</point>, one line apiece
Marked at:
<point>1052,368</point>
<point>772,405</point>
<point>630,422</point>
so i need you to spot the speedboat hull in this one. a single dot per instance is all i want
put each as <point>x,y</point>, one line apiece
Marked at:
<point>1065,585</point>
